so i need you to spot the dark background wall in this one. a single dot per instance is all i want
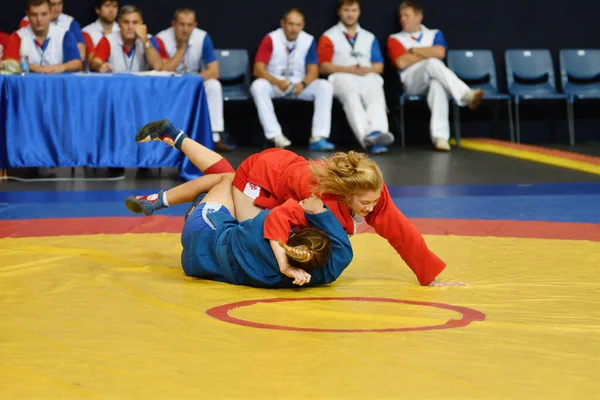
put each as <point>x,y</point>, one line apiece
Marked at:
<point>494,25</point>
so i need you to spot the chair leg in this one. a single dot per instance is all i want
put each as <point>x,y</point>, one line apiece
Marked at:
<point>402,128</point>
<point>496,133</point>
<point>456,114</point>
<point>571,122</point>
<point>398,127</point>
<point>553,123</point>
<point>511,126</point>
<point>518,128</point>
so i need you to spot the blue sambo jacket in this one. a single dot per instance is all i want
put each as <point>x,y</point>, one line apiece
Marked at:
<point>238,252</point>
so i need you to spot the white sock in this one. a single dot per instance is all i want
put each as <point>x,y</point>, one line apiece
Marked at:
<point>216,137</point>
<point>164,199</point>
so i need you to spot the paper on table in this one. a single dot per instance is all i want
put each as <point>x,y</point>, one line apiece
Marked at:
<point>144,73</point>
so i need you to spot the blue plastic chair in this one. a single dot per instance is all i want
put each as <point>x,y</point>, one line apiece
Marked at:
<point>580,76</point>
<point>478,70</point>
<point>530,76</point>
<point>234,73</point>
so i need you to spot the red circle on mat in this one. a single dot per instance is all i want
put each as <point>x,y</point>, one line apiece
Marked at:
<point>468,315</point>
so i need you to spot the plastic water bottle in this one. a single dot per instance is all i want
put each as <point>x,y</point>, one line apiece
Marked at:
<point>24,55</point>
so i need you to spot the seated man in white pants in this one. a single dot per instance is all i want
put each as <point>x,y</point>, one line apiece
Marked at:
<point>286,65</point>
<point>417,52</point>
<point>187,49</point>
<point>352,59</point>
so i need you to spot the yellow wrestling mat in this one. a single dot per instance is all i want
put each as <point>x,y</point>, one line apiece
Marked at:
<point>113,317</point>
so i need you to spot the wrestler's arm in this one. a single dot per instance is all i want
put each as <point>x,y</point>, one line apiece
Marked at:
<point>391,224</point>
<point>277,229</point>
<point>341,249</point>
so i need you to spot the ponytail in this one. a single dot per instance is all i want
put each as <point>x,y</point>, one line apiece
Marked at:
<point>301,254</point>
<point>308,248</point>
<point>345,174</point>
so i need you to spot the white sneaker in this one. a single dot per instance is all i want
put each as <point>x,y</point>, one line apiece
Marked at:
<point>473,98</point>
<point>281,141</point>
<point>442,144</point>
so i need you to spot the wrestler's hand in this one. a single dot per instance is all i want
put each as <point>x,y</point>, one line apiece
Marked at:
<point>437,283</point>
<point>312,205</point>
<point>300,276</point>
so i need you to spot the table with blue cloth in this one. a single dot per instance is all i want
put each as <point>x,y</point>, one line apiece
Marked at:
<point>71,120</point>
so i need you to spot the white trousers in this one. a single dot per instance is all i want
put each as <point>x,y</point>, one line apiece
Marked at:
<point>319,90</point>
<point>214,98</point>
<point>363,100</point>
<point>431,76</point>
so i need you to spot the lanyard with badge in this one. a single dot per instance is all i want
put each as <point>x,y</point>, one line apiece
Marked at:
<point>183,62</point>
<point>42,49</point>
<point>416,39</point>
<point>352,42</point>
<point>289,70</point>
<point>126,57</point>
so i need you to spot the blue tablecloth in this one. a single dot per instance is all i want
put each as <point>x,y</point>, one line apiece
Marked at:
<point>71,120</point>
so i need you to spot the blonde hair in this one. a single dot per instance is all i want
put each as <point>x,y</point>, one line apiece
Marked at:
<point>308,248</point>
<point>346,174</point>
